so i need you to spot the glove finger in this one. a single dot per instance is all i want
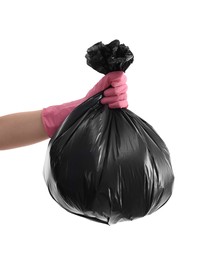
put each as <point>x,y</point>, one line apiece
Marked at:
<point>115,91</point>
<point>117,83</point>
<point>116,77</point>
<point>119,104</point>
<point>113,99</point>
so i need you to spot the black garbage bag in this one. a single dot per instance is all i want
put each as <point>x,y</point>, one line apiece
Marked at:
<point>105,164</point>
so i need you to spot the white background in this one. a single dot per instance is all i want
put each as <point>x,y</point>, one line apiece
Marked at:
<point>173,85</point>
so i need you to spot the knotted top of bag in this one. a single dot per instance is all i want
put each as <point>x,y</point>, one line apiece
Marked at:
<point>110,57</point>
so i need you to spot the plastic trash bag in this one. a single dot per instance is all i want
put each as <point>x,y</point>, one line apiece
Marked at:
<point>108,165</point>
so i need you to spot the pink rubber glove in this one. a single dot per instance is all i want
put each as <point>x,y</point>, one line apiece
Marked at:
<point>115,97</point>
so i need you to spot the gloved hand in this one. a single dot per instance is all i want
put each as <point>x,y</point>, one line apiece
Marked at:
<point>115,97</point>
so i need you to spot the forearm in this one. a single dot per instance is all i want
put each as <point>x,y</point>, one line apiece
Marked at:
<point>21,129</point>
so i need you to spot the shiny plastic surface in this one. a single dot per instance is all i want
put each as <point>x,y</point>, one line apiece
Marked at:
<point>108,165</point>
